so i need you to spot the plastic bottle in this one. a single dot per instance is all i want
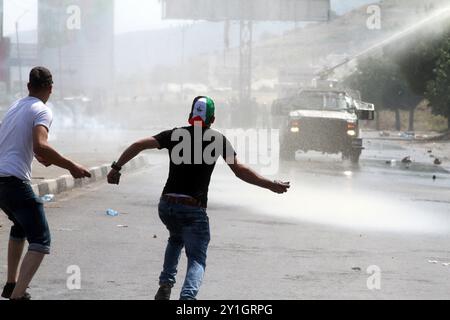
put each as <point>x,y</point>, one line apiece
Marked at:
<point>48,198</point>
<point>112,213</point>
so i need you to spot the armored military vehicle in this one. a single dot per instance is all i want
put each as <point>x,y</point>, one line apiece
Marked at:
<point>323,118</point>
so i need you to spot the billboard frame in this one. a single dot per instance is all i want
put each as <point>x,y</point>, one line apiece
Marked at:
<point>249,10</point>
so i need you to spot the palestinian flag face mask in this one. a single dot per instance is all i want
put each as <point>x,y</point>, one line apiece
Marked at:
<point>203,111</point>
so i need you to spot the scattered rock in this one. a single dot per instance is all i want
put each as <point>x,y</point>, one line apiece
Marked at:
<point>391,162</point>
<point>437,162</point>
<point>407,135</point>
<point>407,160</point>
<point>430,151</point>
<point>356,269</point>
<point>434,177</point>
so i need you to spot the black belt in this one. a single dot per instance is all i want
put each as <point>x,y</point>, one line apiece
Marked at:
<point>10,179</point>
<point>192,202</point>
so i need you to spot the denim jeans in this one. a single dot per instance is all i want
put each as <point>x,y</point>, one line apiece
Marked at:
<point>26,211</point>
<point>189,229</point>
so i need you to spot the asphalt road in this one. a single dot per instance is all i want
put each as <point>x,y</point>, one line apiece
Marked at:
<point>316,242</point>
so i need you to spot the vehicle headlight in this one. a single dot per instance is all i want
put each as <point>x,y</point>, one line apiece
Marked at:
<point>295,126</point>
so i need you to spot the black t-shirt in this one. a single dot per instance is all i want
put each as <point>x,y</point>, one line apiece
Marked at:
<point>193,153</point>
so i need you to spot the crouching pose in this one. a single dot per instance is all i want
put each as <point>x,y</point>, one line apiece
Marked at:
<point>23,136</point>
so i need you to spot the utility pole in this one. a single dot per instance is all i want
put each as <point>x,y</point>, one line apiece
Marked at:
<point>183,46</point>
<point>1,20</point>
<point>184,30</point>
<point>19,57</point>
<point>245,71</point>
<point>247,13</point>
<point>4,54</point>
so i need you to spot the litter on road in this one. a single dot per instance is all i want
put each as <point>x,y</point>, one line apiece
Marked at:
<point>48,198</point>
<point>112,213</point>
<point>407,160</point>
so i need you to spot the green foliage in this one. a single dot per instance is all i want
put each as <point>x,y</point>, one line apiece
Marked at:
<point>409,70</point>
<point>416,57</point>
<point>380,82</point>
<point>438,90</point>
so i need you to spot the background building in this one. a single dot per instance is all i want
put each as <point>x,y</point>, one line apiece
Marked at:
<point>76,41</point>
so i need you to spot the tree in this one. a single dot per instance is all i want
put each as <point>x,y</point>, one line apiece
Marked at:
<point>438,90</point>
<point>380,82</point>
<point>424,61</point>
<point>416,56</point>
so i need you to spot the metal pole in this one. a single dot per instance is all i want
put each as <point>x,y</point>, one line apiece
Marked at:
<point>183,32</point>
<point>245,70</point>
<point>60,55</point>
<point>19,58</point>
<point>1,20</point>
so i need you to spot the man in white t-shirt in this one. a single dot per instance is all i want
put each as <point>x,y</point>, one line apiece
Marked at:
<point>23,136</point>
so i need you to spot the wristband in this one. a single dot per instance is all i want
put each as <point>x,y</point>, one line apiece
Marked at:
<point>116,167</point>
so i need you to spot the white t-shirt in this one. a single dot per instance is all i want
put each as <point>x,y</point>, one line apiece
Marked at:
<point>16,136</point>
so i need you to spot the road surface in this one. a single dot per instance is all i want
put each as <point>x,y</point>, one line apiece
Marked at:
<point>316,242</point>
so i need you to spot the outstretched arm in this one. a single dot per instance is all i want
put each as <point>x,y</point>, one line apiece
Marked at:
<point>130,153</point>
<point>48,156</point>
<point>248,175</point>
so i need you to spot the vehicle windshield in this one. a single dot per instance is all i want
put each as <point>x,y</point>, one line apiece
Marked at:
<point>321,101</point>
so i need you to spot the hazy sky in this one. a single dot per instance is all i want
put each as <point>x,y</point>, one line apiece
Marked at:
<point>131,15</point>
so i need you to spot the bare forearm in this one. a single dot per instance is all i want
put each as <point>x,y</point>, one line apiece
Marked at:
<point>133,151</point>
<point>248,175</point>
<point>50,155</point>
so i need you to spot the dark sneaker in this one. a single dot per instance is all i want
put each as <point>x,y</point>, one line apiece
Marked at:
<point>26,297</point>
<point>8,291</point>
<point>164,292</point>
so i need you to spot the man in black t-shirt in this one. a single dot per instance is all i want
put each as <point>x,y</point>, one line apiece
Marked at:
<point>193,152</point>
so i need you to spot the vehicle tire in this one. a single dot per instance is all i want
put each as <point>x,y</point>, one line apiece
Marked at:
<point>355,156</point>
<point>287,152</point>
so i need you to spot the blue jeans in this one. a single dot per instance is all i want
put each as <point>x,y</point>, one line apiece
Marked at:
<point>189,229</point>
<point>26,211</point>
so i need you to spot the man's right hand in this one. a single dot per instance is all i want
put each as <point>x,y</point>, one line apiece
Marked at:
<point>79,172</point>
<point>280,187</point>
<point>114,177</point>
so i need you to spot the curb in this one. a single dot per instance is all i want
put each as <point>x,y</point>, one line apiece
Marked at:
<point>67,182</point>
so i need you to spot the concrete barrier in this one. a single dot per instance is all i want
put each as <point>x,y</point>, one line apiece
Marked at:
<point>67,182</point>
